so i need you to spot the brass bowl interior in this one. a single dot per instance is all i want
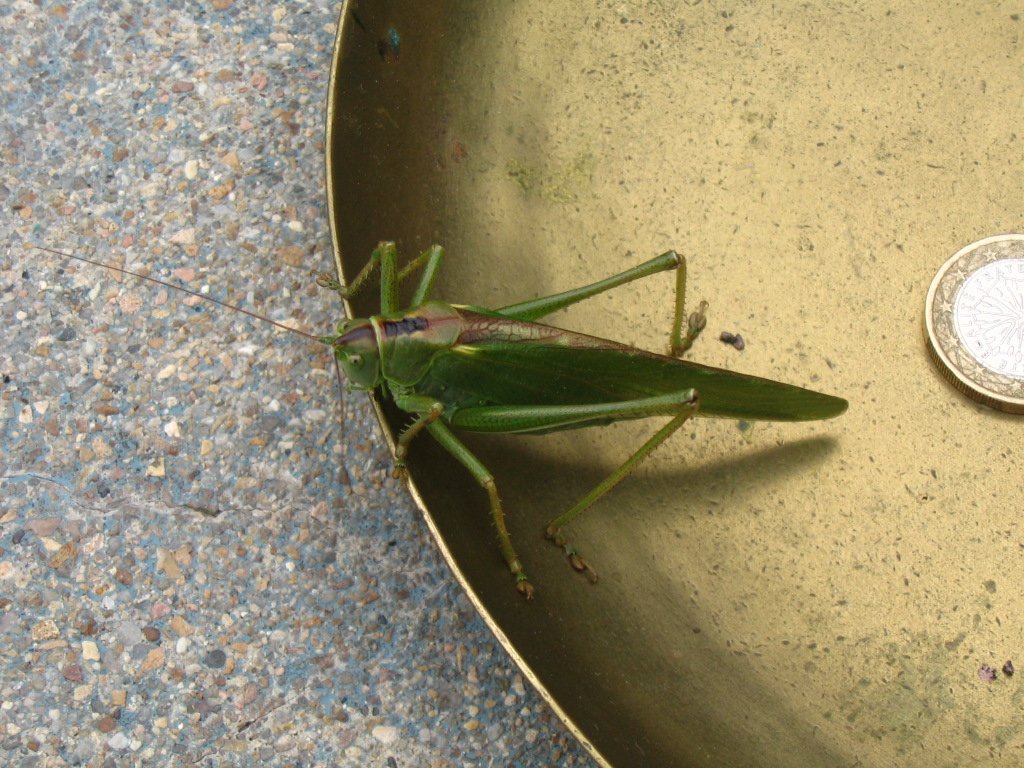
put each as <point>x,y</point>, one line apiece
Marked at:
<point>775,594</point>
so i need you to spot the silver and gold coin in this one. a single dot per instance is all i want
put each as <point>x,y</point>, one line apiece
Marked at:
<point>974,321</point>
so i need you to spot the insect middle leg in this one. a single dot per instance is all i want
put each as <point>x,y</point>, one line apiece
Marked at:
<point>429,411</point>
<point>483,476</point>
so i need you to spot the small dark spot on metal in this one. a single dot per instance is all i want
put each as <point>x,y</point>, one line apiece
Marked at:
<point>389,47</point>
<point>359,21</point>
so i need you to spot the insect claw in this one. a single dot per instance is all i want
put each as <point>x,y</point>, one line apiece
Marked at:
<point>327,280</point>
<point>580,566</point>
<point>695,323</point>
<point>698,320</point>
<point>554,535</point>
<point>399,472</point>
<point>523,587</point>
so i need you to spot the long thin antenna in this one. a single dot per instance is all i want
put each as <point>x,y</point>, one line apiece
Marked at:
<point>172,286</point>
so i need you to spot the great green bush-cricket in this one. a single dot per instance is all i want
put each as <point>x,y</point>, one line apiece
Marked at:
<point>463,367</point>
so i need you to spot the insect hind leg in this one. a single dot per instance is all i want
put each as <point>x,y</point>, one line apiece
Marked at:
<point>679,342</point>
<point>553,531</point>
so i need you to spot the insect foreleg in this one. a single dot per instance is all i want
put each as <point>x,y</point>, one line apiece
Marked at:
<point>327,280</point>
<point>385,258</point>
<point>454,446</point>
<point>430,261</point>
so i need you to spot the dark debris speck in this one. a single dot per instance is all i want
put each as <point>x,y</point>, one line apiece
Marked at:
<point>732,339</point>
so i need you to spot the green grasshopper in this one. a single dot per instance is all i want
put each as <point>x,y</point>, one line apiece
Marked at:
<point>454,366</point>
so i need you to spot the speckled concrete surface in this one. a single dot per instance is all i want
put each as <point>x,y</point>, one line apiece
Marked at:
<point>186,577</point>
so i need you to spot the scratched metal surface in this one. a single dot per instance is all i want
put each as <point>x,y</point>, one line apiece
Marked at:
<point>820,594</point>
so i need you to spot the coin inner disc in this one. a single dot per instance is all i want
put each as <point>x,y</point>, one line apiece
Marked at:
<point>988,315</point>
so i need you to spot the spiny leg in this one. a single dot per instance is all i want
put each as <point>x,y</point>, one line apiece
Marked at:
<point>679,342</point>
<point>454,446</point>
<point>428,410</point>
<point>385,258</point>
<point>434,411</point>
<point>329,281</point>
<point>534,309</point>
<point>430,261</point>
<point>680,405</point>
<point>554,528</point>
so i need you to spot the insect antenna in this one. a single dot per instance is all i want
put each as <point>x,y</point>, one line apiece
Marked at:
<point>343,407</point>
<point>189,291</point>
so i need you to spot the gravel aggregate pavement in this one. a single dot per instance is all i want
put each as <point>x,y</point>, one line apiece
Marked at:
<point>186,574</point>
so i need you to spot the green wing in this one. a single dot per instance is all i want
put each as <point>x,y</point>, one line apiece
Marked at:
<point>563,368</point>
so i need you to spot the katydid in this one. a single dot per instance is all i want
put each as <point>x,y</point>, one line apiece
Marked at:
<point>481,370</point>
<point>453,366</point>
